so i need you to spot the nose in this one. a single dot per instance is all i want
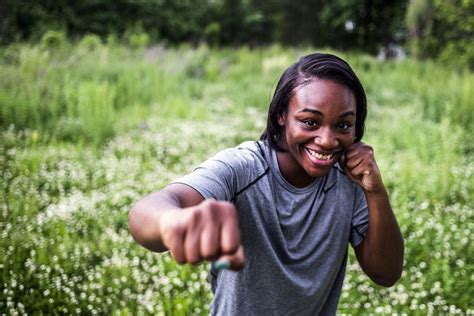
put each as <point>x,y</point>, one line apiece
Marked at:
<point>325,138</point>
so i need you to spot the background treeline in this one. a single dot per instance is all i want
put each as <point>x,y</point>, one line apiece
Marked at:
<point>428,28</point>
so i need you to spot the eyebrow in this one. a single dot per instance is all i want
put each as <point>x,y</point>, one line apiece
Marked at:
<point>348,113</point>
<point>311,111</point>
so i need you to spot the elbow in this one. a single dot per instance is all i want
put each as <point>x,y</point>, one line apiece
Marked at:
<point>133,218</point>
<point>384,268</point>
<point>389,275</point>
<point>142,225</point>
<point>137,223</point>
<point>387,280</point>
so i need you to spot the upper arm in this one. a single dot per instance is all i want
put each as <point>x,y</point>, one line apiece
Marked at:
<point>173,196</point>
<point>184,194</point>
<point>359,251</point>
<point>360,219</point>
<point>368,263</point>
<point>360,224</point>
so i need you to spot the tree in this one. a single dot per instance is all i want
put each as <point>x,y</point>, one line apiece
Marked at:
<point>443,30</point>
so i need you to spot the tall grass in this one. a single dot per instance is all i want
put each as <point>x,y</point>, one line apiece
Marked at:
<point>86,130</point>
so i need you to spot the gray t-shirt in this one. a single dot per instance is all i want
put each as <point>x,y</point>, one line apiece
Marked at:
<point>295,239</point>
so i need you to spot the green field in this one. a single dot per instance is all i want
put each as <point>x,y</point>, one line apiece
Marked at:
<point>87,129</point>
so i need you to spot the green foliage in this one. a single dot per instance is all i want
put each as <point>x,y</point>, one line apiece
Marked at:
<point>218,22</point>
<point>437,29</point>
<point>90,42</point>
<point>53,39</point>
<point>139,40</point>
<point>86,133</point>
<point>442,30</point>
<point>64,95</point>
<point>340,24</point>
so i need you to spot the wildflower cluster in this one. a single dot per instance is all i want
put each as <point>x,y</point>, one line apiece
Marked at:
<point>69,243</point>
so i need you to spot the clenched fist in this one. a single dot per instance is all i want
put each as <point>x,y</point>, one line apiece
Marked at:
<point>361,167</point>
<point>207,231</point>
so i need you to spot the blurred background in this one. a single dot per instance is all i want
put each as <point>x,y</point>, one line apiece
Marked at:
<point>424,28</point>
<point>102,102</point>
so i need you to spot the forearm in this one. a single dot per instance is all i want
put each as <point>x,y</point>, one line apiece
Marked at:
<point>178,219</point>
<point>382,249</point>
<point>145,215</point>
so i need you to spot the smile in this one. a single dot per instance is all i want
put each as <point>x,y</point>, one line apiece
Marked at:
<point>319,156</point>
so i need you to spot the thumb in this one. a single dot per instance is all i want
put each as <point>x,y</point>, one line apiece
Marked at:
<point>233,261</point>
<point>351,176</point>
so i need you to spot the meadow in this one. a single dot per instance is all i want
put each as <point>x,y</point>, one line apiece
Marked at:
<point>89,128</point>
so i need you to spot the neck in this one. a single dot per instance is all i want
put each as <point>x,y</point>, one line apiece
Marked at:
<point>291,171</point>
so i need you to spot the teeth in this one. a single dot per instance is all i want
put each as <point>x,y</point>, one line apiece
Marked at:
<point>320,156</point>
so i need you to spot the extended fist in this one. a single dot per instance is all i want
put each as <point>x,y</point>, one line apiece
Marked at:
<point>208,231</point>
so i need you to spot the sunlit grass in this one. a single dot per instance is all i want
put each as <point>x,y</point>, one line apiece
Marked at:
<point>85,133</point>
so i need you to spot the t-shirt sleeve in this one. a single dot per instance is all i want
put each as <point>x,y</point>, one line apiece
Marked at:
<point>220,176</point>
<point>360,218</point>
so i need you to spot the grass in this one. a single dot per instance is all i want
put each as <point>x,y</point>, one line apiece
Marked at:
<point>86,131</point>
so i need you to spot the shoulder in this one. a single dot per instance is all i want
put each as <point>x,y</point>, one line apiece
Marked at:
<point>248,149</point>
<point>249,155</point>
<point>227,172</point>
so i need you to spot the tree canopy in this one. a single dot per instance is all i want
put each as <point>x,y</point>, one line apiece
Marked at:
<point>432,28</point>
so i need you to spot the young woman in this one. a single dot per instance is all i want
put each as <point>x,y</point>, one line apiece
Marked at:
<point>276,215</point>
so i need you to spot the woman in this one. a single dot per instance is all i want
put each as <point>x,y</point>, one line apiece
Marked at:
<point>280,212</point>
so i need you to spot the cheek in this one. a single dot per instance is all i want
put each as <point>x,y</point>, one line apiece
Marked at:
<point>295,131</point>
<point>348,141</point>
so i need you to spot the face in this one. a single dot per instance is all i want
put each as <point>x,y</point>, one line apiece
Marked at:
<point>316,130</point>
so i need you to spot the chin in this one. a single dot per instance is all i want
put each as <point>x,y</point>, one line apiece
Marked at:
<point>319,173</point>
<point>319,168</point>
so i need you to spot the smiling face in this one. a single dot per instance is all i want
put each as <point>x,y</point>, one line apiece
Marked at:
<point>317,128</point>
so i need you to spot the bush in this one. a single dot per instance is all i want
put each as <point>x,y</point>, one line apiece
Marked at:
<point>442,30</point>
<point>138,40</point>
<point>53,39</point>
<point>90,42</point>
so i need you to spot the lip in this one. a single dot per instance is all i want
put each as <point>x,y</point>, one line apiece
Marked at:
<point>322,162</point>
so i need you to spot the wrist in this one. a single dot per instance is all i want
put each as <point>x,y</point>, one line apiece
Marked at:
<point>376,192</point>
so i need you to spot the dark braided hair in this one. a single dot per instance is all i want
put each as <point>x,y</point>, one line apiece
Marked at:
<point>307,69</point>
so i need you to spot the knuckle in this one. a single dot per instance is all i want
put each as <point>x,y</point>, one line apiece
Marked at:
<point>228,209</point>
<point>180,261</point>
<point>209,215</point>
<point>209,202</point>
<point>193,260</point>
<point>174,229</point>
<point>209,207</point>
<point>213,208</point>
<point>177,258</point>
<point>195,216</point>
<point>191,255</point>
<point>230,248</point>
<point>209,253</point>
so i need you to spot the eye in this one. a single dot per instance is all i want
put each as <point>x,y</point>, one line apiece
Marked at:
<point>310,123</point>
<point>344,126</point>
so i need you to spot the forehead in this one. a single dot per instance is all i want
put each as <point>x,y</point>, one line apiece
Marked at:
<point>323,94</point>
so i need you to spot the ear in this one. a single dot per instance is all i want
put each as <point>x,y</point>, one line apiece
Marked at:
<point>282,119</point>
